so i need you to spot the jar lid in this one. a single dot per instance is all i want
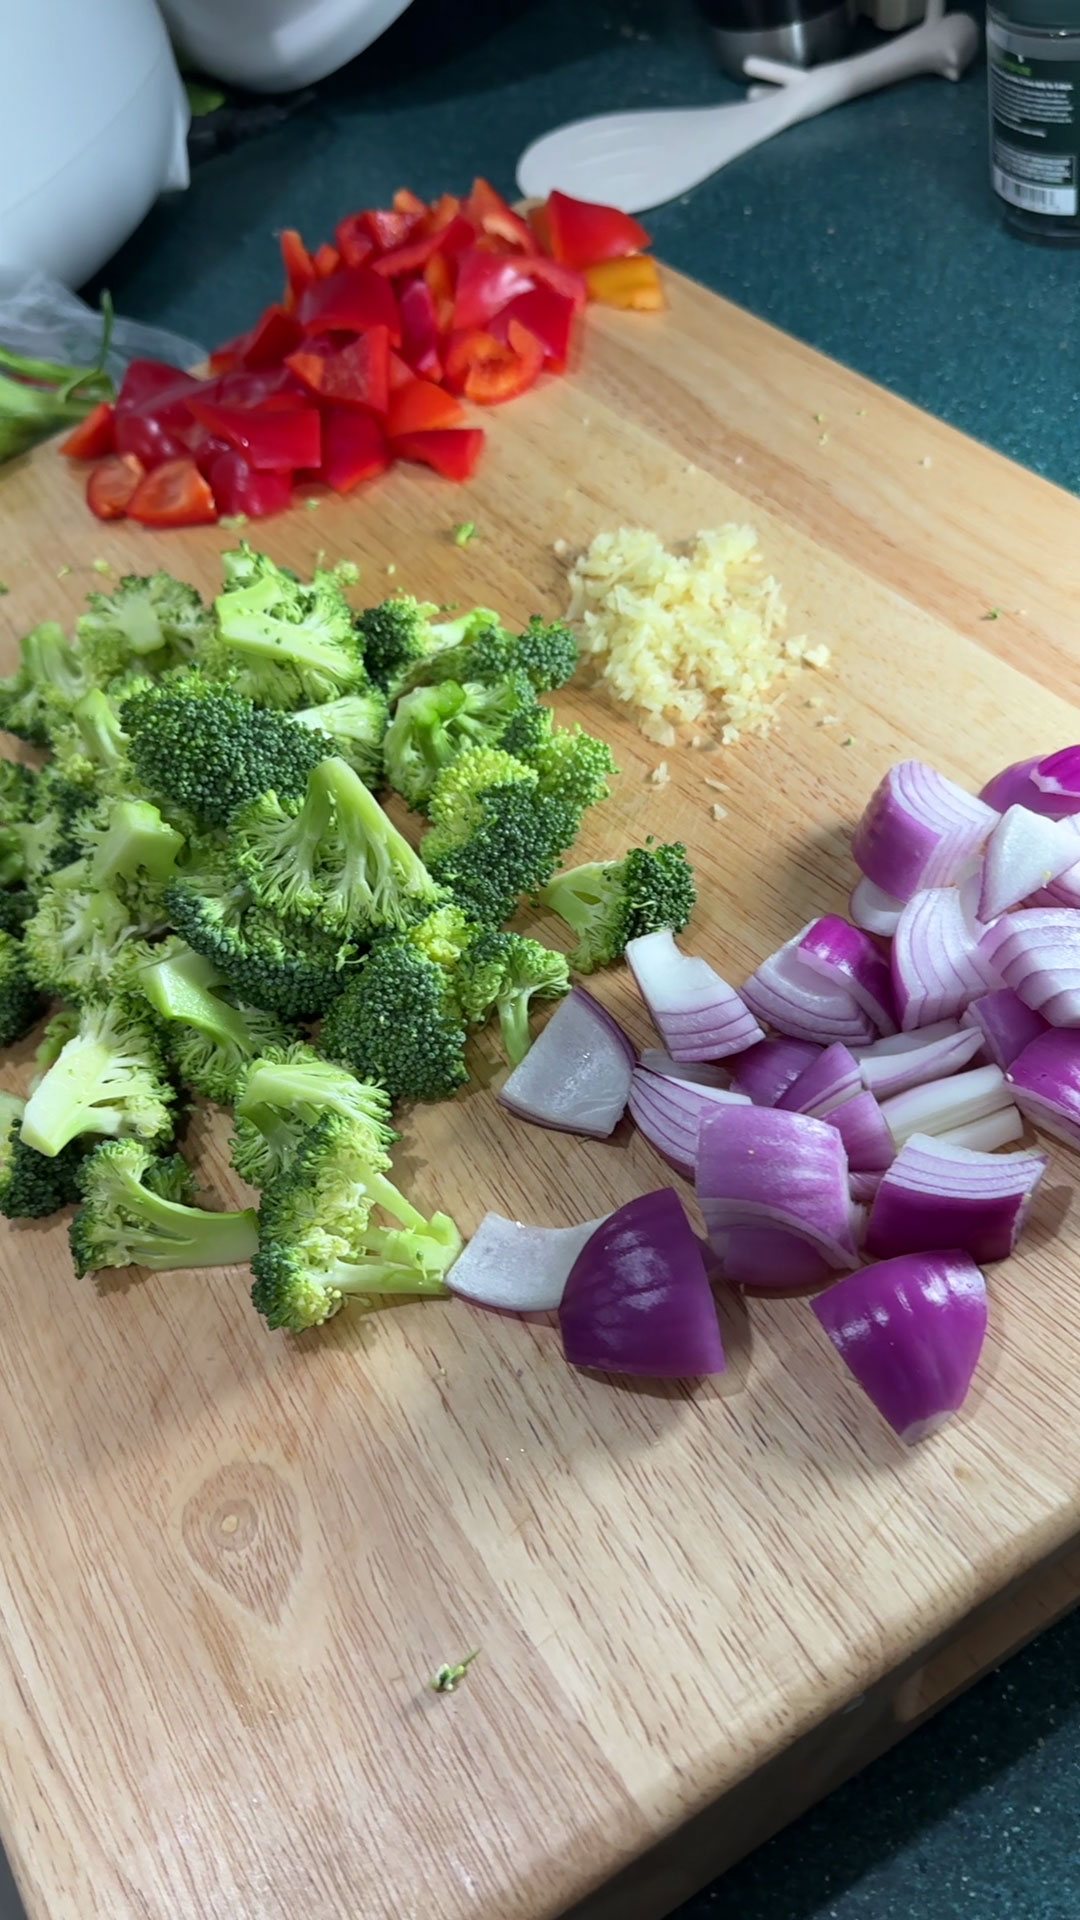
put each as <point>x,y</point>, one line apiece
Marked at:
<point>1050,15</point>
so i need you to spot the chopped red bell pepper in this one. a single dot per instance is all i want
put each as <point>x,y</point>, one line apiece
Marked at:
<point>299,266</point>
<point>350,301</point>
<point>251,388</point>
<point>416,253</point>
<point>420,329</point>
<point>112,484</point>
<point>421,406</point>
<point>489,371</point>
<point>325,260</point>
<point>355,376</point>
<point>224,358</point>
<point>540,225</point>
<point>487,209</point>
<point>388,228</point>
<point>355,243</point>
<point>93,437</point>
<point>630,283</point>
<point>281,440</point>
<point>354,448</point>
<point>274,334</point>
<point>486,283</point>
<point>453,452</point>
<point>405,201</point>
<point>551,273</point>
<point>439,280</point>
<point>237,487</point>
<point>548,315</point>
<point>144,435</point>
<point>442,212</point>
<point>583,232</point>
<point>174,495</point>
<point>205,447</point>
<point>401,375</point>
<point>146,381</point>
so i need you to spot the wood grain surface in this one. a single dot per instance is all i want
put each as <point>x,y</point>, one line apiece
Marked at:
<point>230,1560</point>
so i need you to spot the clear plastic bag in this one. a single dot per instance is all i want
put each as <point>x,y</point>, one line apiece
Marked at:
<point>45,321</point>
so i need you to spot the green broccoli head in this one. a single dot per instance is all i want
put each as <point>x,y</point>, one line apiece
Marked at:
<point>318,1247</point>
<point>444,935</point>
<point>48,840</point>
<point>109,1078</point>
<point>50,677</point>
<point>355,725</point>
<point>136,1211</point>
<point>507,972</point>
<point>287,967</point>
<point>433,724</point>
<point>610,902</point>
<point>90,747</point>
<point>393,635</point>
<point>572,766</point>
<point>32,1187</point>
<point>18,785</point>
<point>201,749</point>
<point>210,1040</point>
<point>149,622</point>
<point>128,847</point>
<point>21,1002</point>
<point>284,1092</point>
<point>335,857</point>
<point>285,644</point>
<point>16,906</point>
<point>77,934</point>
<point>398,1023</point>
<point>494,836</point>
<point>480,648</point>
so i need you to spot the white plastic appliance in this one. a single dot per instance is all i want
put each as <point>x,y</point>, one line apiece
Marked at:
<point>274,45</point>
<point>94,126</point>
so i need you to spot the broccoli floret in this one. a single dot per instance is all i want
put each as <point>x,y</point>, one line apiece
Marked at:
<point>285,644</point>
<point>136,1211</point>
<point>395,634</point>
<point>433,724</point>
<point>21,1002</point>
<point>444,934</point>
<point>202,750</point>
<point>398,1023</point>
<point>63,1027</point>
<point>356,725</point>
<point>495,836</point>
<point>210,1041</point>
<point>129,847</point>
<point>51,676</point>
<point>547,655</point>
<point>76,935</point>
<point>89,745</point>
<point>572,766</point>
<point>151,621</point>
<point>283,1093</point>
<point>317,1245</point>
<point>287,967</point>
<point>507,971</point>
<point>16,906</point>
<point>108,1078</point>
<point>33,849</point>
<point>335,857</point>
<point>32,1187</point>
<point>18,785</point>
<point>610,902</point>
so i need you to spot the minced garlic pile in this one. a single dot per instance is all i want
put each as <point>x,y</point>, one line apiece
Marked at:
<point>686,637</point>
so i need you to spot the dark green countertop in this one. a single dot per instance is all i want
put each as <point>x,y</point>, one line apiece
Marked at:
<point>872,234</point>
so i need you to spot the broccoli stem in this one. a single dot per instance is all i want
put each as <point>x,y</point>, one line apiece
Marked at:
<point>76,1096</point>
<point>182,987</point>
<point>576,895</point>
<point>514,1024</point>
<point>364,822</point>
<point>250,623</point>
<point>174,1235</point>
<point>382,1276</point>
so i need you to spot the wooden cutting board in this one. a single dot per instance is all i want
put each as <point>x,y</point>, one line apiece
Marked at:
<point>230,1561</point>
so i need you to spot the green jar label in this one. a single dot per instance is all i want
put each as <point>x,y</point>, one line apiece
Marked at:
<point>1034,126</point>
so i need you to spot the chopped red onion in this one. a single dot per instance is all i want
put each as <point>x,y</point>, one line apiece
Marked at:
<point>1024,852</point>
<point>863,1186</point>
<point>911,1330</point>
<point>1049,786</point>
<point>696,1072</point>
<point>1045,1081</point>
<point>848,957</point>
<point>917,829</point>
<point>1037,953</point>
<point>826,1083</point>
<point>939,1195</point>
<point>758,1167</point>
<point>985,1136</point>
<point>576,1075</point>
<point>698,1015</point>
<point>906,1061</point>
<point>1062,892</point>
<point>767,1257</point>
<point>865,1133</point>
<point>874,910</point>
<point>940,1105</point>
<point>764,1072</point>
<point>668,1112</point>
<point>638,1298</point>
<point>938,964</point>
<point>791,997</point>
<point>1007,1026</point>
<point>517,1268</point>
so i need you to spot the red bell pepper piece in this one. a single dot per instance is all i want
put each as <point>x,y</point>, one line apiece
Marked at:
<point>355,376</point>
<point>147,381</point>
<point>420,329</point>
<point>487,210</point>
<point>416,253</point>
<point>205,448</point>
<point>280,440</point>
<point>489,371</point>
<point>325,260</point>
<point>237,487</point>
<point>540,226</point>
<point>252,388</point>
<point>274,334</point>
<point>350,301</point>
<point>355,243</point>
<point>453,452</point>
<point>551,273</point>
<point>405,201</point>
<point>442,212</point>
<point>632,282</point>
<point>299,267</point>
<point>439,280</point>
<point>387,227</point>
<point>174,495</point>
<point>112,484</point>
<point>583,232</point>
<point>224,358</point>
<point>143,435</point>
<point>548,315</point>
<point>401,375</point>
<point>93,437</point>
<point>486,283</point>
<point>354,448</point>
<point>421,406</point>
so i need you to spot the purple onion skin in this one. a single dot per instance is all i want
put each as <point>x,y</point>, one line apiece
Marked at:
<point>911,1330</point>
<point>905,1222</point>
<point>638,1299</point>
<point>1014,786</point>
<point>766,1071</point>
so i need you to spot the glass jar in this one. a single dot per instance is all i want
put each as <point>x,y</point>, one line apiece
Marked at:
<point>1033,68</point>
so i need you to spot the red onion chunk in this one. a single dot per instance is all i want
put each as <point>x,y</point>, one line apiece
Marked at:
<point>759,1167</point>
<point>698,1015</point>
<point>1037,953</point>
<point>913,1058</point>
<point>576,1075</point>
<point>917,830</point>
<point>826,1083</point>
<point>938,1195</point>
<point>638,1298</point>
<point>847,956</point>
<point>1050,785</point>
<point>911,1330</point>
<point>767,1257</point>
<point>668,1112</point>
<point>874,910</point>
<point>1062,892</point>
<point>863,1186</point>
<point>865,1133</point>
<point>517,1268</point>
<point>698,1072</point>
<point>1045,1082</point>
<point>1024,852</point>
<point>790,996</point>
<point>940,1105</point>
<point>766,1071</point>
<point>987,1135</point>
<point>1007,1026</point>
<point>938,963</point>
